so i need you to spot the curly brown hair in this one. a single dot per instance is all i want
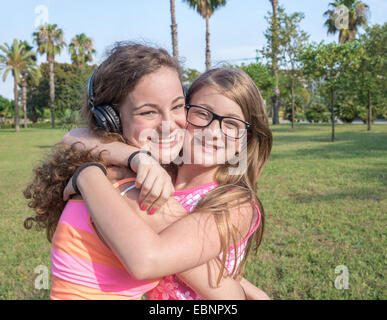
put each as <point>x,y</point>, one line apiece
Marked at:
<point>115,78</point>
<point>51,177</point>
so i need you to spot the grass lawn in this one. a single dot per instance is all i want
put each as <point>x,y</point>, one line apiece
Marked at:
<point>325,206</point>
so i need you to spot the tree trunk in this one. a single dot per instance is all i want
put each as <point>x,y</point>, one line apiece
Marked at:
<point>208,53</point>
<point>24,98</point>
<point>342,38</point>
<point>333,114</point>
<point>292,102</point>
<point>369,118</point>
<point>174,31</point>
<point>16,105</point>
<point>275,99</point>
<point>352,34</point>
<point>52,90</point>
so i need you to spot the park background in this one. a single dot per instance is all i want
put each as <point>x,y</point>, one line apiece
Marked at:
<point>324,188</point>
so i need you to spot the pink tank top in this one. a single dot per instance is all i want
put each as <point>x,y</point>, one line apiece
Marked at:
<point>171,287</point>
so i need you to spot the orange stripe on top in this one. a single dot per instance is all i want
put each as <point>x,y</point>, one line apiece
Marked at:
<point>84,245</point>
<point>83,267</point>
<point>65,290</point>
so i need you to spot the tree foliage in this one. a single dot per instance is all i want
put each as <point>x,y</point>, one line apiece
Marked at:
<point>189,75</point>
<point>263,78</point>
<point>49,39</point>
<point>271,52</point>
<point>70,82</point>
<point>345,17</point>
<point>81,49</point>
<point>15,59</point>
<point>6,108</point>
<point>291,38</point>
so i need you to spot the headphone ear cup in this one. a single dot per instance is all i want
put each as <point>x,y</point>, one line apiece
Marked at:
<point>115,121</point>
<point>100,118</point>
<point>107,118</point>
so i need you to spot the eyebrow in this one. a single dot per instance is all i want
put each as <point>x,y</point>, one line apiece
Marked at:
<point>156,105</point>
<point>227,114</point>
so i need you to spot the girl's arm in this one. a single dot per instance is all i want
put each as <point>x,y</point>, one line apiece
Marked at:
<point>153,180</point>
<point>252,292</point>
<point>202,279</point>
<point>116,154</point>
<point>191,241</point>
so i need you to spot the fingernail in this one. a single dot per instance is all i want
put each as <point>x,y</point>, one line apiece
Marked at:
<point>152,211</point>
<point>143,208</point>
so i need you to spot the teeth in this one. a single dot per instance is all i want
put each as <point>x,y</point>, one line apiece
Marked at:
<point>165,140</point>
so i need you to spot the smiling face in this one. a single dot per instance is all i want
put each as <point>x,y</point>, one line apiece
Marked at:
<point>153,114</point>
<point>209,145</point>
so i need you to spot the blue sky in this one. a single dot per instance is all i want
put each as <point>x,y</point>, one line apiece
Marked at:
<point>236,29</point>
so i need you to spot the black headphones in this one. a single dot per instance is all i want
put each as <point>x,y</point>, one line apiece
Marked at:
<point>104,114</point>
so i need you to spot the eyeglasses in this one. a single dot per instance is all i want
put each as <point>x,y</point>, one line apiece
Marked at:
<point>231,127</point>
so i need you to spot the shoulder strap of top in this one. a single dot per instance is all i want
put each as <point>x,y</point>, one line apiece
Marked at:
<point>121,182</point>
<point>256,220</point>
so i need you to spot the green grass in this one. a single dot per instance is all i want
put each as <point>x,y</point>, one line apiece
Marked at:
<point>325,205</point>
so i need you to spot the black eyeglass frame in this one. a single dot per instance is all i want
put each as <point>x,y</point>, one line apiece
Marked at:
<point>216,117</point>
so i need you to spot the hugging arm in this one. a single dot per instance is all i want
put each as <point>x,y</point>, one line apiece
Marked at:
<point>117,153</point>
<point>202,279</point>
<point>155,183</point>
<point>252,292</point>
<point>189,242</point>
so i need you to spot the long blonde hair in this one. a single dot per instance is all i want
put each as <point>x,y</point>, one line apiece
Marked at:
<point>236,85</point>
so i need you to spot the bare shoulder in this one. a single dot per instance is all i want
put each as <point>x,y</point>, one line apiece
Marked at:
<point>241,214</point>
<point>77,133</point>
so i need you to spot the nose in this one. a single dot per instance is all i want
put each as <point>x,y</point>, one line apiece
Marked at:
<point>166,125</point>
<point>214,130</point>
<point>215,126</point>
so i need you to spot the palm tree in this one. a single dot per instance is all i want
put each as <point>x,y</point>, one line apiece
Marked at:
<point>15,59</point>
<point>174,30</point>
<point>275,49</point>
<point>30,70</point>
<point>49,39</point>
<point>206,8</point>
<point>357,17</point>
<point>81,49</point>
